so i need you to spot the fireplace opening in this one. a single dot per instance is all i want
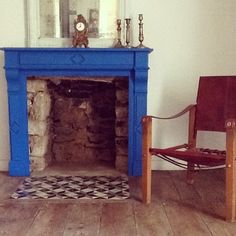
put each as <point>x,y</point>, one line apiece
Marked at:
<point>78,121</point>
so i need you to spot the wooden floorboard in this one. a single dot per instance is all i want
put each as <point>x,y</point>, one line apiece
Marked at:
<point>211,216</point>
<point>186,191</point>
<point>185,221</point>
<point>151,220</point>
<point>8,185</point>
<point>176,209</point>
<point>84,219</point>
<point>209,186</point>
<point>16,218</point>
<point>50,220</point>
<point>117,219</point>
<point>163,187</point>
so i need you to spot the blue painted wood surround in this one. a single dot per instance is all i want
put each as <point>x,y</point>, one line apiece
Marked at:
<point>21,63</point>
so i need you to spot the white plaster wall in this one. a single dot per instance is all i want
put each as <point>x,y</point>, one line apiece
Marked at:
<point>12,34</point>
<point>189,37</point>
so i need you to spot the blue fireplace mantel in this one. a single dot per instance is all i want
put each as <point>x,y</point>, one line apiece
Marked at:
<point>21,63</point>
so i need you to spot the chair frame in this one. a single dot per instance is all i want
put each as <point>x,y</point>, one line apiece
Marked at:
<point>230,165</point>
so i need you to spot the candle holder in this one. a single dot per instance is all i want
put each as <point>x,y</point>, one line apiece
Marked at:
<point>119,43</point>
<point>128,35</point>
<point>141,36</point>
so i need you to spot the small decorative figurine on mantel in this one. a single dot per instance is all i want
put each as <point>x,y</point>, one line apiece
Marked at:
<point>80,36</point>
<point>119,43</point>
<point>128,33</point>
<point>140,37</point>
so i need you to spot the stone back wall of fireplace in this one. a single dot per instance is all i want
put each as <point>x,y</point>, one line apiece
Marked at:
<point>78,120</point>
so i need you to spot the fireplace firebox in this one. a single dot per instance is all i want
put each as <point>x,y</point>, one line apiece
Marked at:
<point>22,63</point>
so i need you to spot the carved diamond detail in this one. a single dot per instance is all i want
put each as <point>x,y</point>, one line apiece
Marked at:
<point>15,127</point>
<point>77,59</point>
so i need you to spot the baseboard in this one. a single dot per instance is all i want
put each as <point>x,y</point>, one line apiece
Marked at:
<point>4,164</point>
<point>158,164</point>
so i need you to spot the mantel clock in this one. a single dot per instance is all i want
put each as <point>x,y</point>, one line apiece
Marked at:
<point>80,36</point>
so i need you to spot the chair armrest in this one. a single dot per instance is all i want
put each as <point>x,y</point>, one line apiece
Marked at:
<point>147,123</point>
<point>185,110</point>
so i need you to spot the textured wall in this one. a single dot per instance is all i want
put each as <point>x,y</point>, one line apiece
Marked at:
<point>12,31</point>
<point>81,121</point>
<point>190,38</point>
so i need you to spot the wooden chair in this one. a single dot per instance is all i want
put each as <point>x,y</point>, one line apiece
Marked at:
<point>215,110</point>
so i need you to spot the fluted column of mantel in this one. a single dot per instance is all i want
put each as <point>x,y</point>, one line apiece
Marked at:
<point>140,109</point>
<point>18,122</point>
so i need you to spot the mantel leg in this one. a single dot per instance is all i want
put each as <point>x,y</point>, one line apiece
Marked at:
<point>138,109</point>
<point>19,164</point>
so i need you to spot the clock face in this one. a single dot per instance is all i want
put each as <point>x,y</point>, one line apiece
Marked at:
<point>80,26</point>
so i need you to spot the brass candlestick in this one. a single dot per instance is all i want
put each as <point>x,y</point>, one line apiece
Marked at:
<point>119,43</point>
<point>128,21</point>
<point>141,37</point>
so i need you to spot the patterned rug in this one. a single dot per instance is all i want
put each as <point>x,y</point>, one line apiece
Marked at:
<point>73,187</point>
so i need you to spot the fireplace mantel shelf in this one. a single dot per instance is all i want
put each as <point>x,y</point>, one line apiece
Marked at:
<point>21,63</point>
<point>94,58</point>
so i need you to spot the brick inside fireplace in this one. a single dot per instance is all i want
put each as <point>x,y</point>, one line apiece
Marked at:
<point>78,120</point>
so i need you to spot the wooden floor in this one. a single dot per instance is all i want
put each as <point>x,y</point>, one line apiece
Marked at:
<point>176,209</point>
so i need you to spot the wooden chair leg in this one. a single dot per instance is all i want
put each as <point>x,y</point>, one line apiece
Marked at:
<point>190,173</point>
<point>191,143</point>
<point>146,158</point>
<point>230,170</point>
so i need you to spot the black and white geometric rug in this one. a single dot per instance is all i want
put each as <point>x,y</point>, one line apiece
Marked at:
<point>73,187</point>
